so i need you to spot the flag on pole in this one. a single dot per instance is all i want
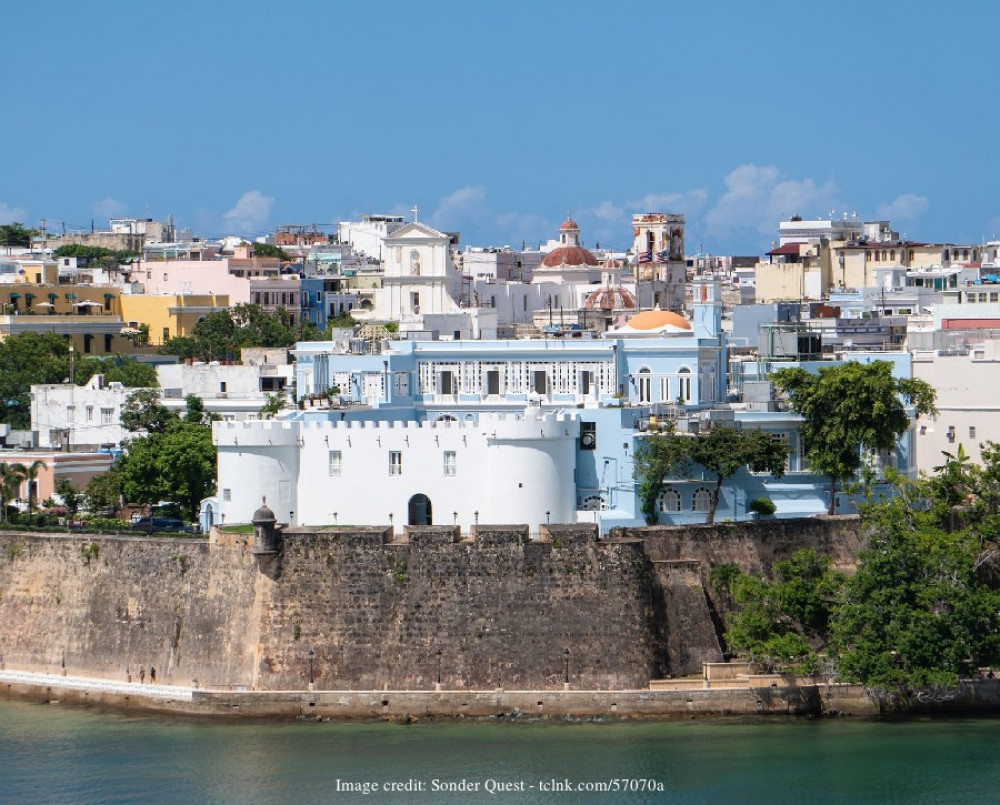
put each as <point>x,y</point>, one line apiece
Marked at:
<point>646,257</point>
<point>663,257</point>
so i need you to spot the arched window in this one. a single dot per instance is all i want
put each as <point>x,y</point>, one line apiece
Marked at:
<point>684,384</point>
<point>645,386</point>
<point>415,263</point>
<point>701,499</point>
<point>593,503</point>
<point>670,500</point>
<point>419,510</point>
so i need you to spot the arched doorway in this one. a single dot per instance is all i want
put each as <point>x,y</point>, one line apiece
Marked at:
<point>420,510</point>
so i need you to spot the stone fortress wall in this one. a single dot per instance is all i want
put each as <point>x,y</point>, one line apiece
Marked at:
<point>379,611</point>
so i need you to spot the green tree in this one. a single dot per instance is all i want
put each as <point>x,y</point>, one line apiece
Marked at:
<point>70,496</point>
<point>29,472</point>
<point>657,457</point>
<point>15,234</point>
<point>177,464</point>
<point>27,359</point>
<point>274,405</point>
<point>849,411</point>
<point>919,611</point>
<point>195,412</point>
<point>143,412</point>
<point>270,250</point>
<point>784,618</point>
<point>128,371</point>
<point>104,492</point>
<point>221,335</point>
<point>11,478</point>
<point>184,347</point>
<point>723,451</point>
<point>88,255</point>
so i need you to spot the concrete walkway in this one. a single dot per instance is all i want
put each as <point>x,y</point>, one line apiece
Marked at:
<point>81,683</point>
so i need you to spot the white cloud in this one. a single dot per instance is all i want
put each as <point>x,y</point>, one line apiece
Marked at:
<point>606,211</point>
<point>467,204</point>
<point>10,215</point>
<point>757,198</point>
<point>251,212</point>
<point>685,203</point>
<point>904,207</point>
<point>109,207</point>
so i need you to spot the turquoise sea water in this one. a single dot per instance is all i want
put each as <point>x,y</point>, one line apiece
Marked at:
<point>55,754</point>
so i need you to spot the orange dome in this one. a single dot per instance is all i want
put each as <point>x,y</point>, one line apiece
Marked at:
<point>616,298</point>
<point>650,320</point>
<point>569,256</point>
<point>569,223</point>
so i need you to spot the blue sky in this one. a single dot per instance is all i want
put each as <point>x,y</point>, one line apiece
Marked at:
<point>498,119</point>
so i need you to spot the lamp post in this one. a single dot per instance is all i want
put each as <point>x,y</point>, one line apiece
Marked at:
<point>476,514</point>
<point>312,656</point>
<point>547,516</point>
<point>439,670</point>
<point>566,669</point>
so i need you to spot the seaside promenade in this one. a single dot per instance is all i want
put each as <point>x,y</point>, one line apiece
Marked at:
<point>404,706</point>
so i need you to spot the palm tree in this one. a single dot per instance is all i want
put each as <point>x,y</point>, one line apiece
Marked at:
<point>30,474</point>
<point>10,479</point>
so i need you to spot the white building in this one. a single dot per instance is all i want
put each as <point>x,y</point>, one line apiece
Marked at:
<point>967,383</point>
<point>366,236</point>
<point>78,418</point>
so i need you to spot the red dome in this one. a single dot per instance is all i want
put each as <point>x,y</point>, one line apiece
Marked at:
<point>569,223</point>
<point>569,256</point>
<point>617,298</point>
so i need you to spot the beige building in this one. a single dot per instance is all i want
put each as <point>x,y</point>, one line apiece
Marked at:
<point>169,315</point>
<point>968,403</point>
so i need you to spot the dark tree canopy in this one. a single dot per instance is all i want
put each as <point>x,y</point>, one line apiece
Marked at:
<point>220,336</point>
<point>26,359</point>
<point>722,450</point>
<point>270,250</point>
<point>16,234</point>
<point>849,411</point>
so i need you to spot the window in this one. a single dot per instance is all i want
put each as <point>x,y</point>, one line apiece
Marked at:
<point>447,383</point>
<point>645,386</point>
<point>951,434</point>
<point>450,462</point>
<point>90,413</point>
<point>684,385</point>
<point>227,494</point>
<point>107,416</point>
<point>665,389</point>
<point>395,462</point>
<point>670,500</point>
<point>222,386</point>
<point>166,334</point>
<point>972,431</point>
<point>336,458</point>
<point>540,383</point>
<point>701,499</point>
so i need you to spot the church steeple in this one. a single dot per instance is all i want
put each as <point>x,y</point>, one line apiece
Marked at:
<point>569,233</point>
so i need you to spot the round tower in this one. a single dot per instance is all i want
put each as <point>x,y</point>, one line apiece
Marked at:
<point>265,535</point>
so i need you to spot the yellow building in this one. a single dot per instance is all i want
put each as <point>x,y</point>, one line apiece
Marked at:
<point>169,315</point>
